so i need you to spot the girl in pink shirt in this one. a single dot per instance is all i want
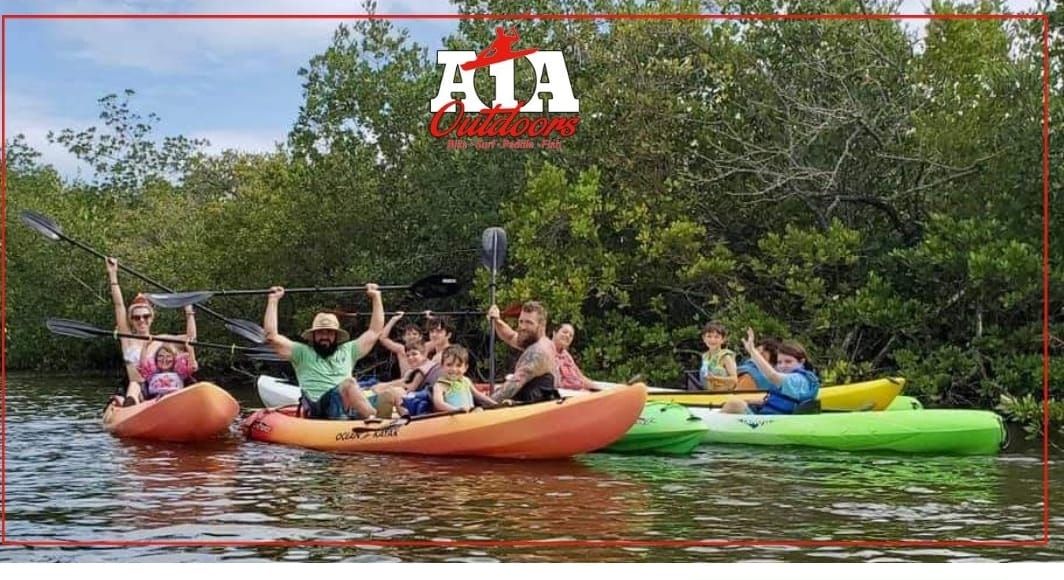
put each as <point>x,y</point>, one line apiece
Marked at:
<point>167,371</point>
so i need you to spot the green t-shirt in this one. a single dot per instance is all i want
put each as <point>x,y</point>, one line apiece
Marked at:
<point>317,375</point>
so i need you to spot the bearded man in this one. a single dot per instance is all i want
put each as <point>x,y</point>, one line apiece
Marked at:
<point>536,374</point>
<point>324,365</point>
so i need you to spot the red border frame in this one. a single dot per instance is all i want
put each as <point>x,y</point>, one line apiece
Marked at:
<point>4,541</point>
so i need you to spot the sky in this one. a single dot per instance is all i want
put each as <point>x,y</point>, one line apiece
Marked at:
<point>234,83</point>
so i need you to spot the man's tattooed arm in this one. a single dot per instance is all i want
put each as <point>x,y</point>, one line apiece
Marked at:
<point>533,363</point>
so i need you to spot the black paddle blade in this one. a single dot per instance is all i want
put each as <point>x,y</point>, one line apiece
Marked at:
<point>247,330</point>
<point>437,286</point>
<point>262,355</point>
<point>41,223</point>
<point>493,248</point>
<point>178,299</point>
<point>73,328</point>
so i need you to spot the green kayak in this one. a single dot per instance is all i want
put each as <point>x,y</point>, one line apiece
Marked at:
<point>665,428</point>
<point>931,431</point>
<point>903,403</point>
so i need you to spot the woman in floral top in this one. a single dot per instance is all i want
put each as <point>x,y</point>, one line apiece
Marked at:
<point>570,374</point>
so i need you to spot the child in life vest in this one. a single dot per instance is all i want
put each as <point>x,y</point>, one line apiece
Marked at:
<point>167,371</point>
<point>790,383</point>
<point>454,391</point>
<point>413,390</point>
<point>750,378</point>
<point>717,372</point>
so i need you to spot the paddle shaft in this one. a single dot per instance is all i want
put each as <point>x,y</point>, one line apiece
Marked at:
<point>491,337</point>
<point>230,347</point>
<point>134,273</point>
<point>410,314</point>
<point>304,290</point>
<point>438,414</point>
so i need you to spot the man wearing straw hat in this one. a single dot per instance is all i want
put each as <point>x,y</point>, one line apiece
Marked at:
<point>323,366</point>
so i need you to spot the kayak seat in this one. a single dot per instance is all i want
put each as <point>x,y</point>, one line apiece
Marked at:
<point>808,408</point>
<point>691,382</point>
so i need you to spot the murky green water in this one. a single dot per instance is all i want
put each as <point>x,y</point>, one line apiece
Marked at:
<point>67,479</point>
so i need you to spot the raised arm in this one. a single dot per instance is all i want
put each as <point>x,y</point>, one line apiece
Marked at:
<point>368,339</point>
<point>763,365</point>
<point>190,323</point>
<point>121,322</point>
<point>280,344</point>
<point>395,348</point>
<point>503,330</point>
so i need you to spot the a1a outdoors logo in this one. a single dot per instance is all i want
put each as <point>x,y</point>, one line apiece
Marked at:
<point>459,112</point>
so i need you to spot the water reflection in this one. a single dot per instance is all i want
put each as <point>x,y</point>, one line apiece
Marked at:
<point>162,488</point>
<point>383,497</point>
<point>69,479</point>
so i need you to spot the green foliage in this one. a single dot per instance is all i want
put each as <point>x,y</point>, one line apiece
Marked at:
<point>125,155</point>
<point>1030,412</point>
<point>831,182</point>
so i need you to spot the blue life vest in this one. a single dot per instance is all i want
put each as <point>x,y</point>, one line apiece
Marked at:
<point>785,398</point>
<point>418,402</point>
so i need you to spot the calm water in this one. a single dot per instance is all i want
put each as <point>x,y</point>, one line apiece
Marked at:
<point>68,479</point>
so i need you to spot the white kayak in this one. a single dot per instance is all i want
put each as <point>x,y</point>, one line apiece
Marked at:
<point>275,392</point>
<point>604,385</point>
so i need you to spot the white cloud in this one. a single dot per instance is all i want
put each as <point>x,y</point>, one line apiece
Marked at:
<point>184,46</point>
<point>919,27</point>
<point>34,118</point>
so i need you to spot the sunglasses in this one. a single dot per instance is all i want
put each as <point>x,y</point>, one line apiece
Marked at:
<point>141,317</point>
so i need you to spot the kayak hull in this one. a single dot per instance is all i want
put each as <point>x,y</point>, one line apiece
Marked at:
<point>548,430</point>
<point>928,431</point>
<point>865,396</point>
<point>198,412</point>
<point>662,428</point>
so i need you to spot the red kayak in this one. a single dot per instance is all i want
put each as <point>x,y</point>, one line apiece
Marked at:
<point>197,412</point>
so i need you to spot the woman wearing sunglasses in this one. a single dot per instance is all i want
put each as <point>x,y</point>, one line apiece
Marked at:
<point>137,320</point>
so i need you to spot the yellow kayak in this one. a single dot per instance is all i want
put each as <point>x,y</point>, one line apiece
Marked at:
<point>867,396</point>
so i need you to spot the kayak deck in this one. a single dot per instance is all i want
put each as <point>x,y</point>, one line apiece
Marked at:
<point>927,431</point>
<point>662,428</point>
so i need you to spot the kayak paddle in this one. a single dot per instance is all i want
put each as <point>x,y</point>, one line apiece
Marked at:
<point>492,256</point>
<point>435,286</point>
<point>47,227</point>
<point>431,313</point>
<point>76,329</point>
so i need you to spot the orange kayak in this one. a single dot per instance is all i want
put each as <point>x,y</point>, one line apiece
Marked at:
<point>548,430</point>
<point>194,413</point>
